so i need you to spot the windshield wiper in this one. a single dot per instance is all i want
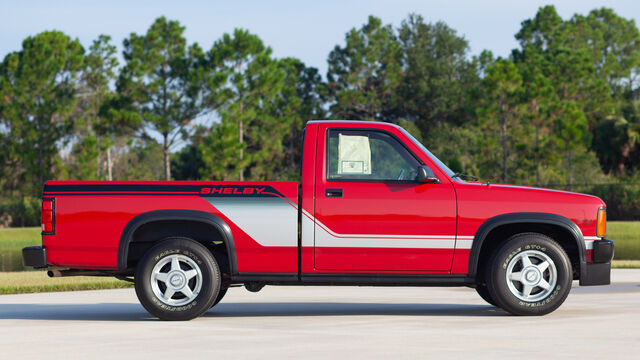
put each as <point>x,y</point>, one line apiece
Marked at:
<point>461,175</point>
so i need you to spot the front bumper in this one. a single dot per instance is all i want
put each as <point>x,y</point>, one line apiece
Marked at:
<point>599,271</point>
<point>34,256</point>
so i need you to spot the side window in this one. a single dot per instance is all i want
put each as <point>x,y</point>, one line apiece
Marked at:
<point>368,155</point>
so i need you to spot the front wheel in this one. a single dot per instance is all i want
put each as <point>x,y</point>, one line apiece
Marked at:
<point>530,274</point>
<point>221,294</point>
<point>178,279</point>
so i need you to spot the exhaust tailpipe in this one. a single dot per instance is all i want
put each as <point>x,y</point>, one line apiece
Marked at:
<point>72,272</point>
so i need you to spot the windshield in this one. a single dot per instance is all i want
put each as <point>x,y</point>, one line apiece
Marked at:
<point>433,157</point>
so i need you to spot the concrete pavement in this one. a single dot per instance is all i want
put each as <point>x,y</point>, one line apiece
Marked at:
<point>322,322</point>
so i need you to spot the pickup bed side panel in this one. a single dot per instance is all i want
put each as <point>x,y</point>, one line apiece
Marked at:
<point>90,218</point>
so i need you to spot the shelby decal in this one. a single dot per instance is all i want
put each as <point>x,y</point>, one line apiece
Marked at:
<point>232,190</point>
<point>251,191</point>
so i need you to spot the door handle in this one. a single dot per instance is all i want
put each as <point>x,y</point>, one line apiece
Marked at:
<point>333,193</point>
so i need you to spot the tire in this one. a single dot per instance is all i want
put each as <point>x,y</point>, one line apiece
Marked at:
<point>484,294</point>
<point>539,275</point>
<point>178,279</point>
<point>221,294</point>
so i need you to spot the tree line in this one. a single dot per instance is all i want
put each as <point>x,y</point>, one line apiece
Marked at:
<point>560,111</point>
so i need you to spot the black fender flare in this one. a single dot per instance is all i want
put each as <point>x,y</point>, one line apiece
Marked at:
<point>164,215</point>
<point>529,218</point>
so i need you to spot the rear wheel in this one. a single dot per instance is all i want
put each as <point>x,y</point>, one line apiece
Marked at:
<point>178,279</point>
<point>484,294</point>
<point>530,274</point>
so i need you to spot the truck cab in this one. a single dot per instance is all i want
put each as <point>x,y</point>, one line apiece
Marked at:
<point>373,207</point>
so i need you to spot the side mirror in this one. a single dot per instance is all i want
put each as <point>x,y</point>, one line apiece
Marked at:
<point>426,175</point>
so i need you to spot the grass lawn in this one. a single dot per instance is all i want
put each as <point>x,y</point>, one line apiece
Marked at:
<point>22,282</point>
<point>625,264</point>
<point>20,236</point>
<point>12,241</point>
<point>15,281</point>
<point>626,235</point>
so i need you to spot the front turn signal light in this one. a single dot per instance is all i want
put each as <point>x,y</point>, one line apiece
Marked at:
<point>601,229</point>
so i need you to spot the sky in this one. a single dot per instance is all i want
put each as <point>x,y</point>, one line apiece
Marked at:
<point>307,30</point>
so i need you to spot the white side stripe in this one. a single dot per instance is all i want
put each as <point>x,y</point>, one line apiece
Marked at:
<point>273,223</point>
<point>325,237</point>
<point>268,221</point>
<point>464,244</point>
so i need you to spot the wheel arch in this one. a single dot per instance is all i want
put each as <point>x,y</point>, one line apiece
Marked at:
<point>170,218</point>
<point>526,222</point>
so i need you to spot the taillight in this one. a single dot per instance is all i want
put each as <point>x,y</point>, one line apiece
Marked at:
<point>601,229</point>
<point>48,216</point>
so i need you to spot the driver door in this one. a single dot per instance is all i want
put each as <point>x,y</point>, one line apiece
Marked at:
<point>371,215</point>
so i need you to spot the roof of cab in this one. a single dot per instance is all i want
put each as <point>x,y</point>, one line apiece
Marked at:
<point>373,124</point>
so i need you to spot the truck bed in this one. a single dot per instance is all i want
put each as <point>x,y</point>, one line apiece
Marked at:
<point>92,217</point>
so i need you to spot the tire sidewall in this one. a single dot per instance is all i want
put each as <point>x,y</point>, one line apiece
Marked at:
<point>485,295</point>
<point>497,283</point>
<point>210,279</point>
<point>221,294</point>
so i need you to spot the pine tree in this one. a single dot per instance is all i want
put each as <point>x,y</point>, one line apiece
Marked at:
<point>252,80</point>
<point>38,88</point>
<point>365,75</point>
<point>163,79</point>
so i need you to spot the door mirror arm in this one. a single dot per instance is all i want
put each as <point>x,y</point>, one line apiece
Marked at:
<point>426,175</point>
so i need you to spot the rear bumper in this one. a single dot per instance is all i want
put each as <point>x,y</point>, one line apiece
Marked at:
<point>34,256</point>
<point>599,271</point>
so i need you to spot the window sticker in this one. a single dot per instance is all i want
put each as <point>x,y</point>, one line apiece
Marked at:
<point>354,155</point>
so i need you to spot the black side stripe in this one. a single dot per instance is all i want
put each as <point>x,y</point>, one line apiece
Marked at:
<point>227,190</point>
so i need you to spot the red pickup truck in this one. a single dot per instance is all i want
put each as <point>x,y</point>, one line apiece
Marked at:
<point>374,207</point>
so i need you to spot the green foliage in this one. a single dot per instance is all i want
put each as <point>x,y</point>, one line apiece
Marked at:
<point>88,160</point>
<point>613,44</point>
<point>220,153</point>
<point>253,81</point>
<point>365,75</point>
<point>501,107</point>
<point>299,101</point>
<point>622,196</point>
<point>140,160</point>
<point>460,157</point>
<point>85,165</point>
<point>615,138</point>
<point>37,85</point>
<point>186,164</point>
<point>22,211</point>
<point>411,128</point>
<point>561,111</point>
<point>162,79</point>
<point>437,77</point>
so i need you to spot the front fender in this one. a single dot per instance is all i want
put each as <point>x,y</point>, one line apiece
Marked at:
<point>528,218</point>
